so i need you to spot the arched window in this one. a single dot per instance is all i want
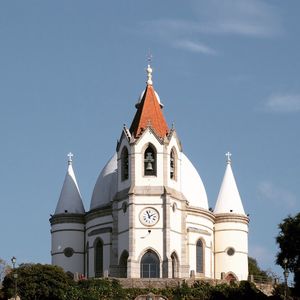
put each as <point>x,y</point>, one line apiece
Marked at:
<point>98,258</point>
<point>150,161</point>
<point>150,267</point>
<point>124,164</point>
<point>199,257</point>
<point>87,253</point>
<point>175,265</point>
<point>123,264</point>
<point>173,170</point>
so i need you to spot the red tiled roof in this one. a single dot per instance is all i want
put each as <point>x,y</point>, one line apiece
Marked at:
<point>150,113</point>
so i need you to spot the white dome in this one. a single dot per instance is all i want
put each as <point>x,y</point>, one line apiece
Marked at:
<point>191,184</point>
<point>142,95</point>
<point>106,185</point>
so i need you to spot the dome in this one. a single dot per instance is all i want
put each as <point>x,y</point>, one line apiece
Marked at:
<point>191,184</point>
<point>106,185</point>
<point>142,95</point>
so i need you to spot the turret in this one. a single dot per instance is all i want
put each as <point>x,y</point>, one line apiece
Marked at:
<point>67,226</point>
<point>231,231</point>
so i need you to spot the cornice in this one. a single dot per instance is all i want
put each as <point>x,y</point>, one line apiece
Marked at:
<point>98,212</point>
<point>67,218</point>
<point>200,211</point>
<point>230,217</point>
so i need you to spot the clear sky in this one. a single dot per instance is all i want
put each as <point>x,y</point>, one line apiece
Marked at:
<point>71,71</point>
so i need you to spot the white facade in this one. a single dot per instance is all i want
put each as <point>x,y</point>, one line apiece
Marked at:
<point>149,214</point>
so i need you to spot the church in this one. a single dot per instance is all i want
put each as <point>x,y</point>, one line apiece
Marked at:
<point>149,215</point>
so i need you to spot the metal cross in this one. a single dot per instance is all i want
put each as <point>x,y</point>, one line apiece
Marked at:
<point>228,154</point>
<point>149,57</point>
<point>70,155</point>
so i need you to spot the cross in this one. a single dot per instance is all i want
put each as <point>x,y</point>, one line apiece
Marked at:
<point>70,155</point>
<point>228,154</point>
<point>149,57</point>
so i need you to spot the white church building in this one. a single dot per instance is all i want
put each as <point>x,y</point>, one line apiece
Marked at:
<point>149,215</point>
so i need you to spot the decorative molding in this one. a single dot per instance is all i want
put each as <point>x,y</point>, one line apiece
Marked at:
<point>67,218</point>
<point>231,217</point>
<point>198,230</point>
<point>59,230</point>
<point>191,210</point>
<point>100,230</point>
<point>99,212</point>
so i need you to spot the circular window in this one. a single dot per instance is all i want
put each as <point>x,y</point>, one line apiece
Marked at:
<point>230,251</point>
<point>124,206</point>
<point>68,252</point>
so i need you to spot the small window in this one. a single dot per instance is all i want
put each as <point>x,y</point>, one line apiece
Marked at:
<point>124,206</point>
<point>174,207</point>
<point>173,165</point>
<point>124,164</point>
<point>150,162</point>
<point>68,252</point>
<point>230,251</point>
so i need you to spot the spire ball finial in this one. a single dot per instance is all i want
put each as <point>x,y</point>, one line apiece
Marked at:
<point>70,155</point>
<point>228,155</point>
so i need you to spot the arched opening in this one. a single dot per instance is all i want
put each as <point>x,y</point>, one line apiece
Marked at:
<point>124,164</point>
<point>199,257</point>
<point>175,265</point>
<point>230,277</point>
<point>123,264</point>
<point>173,165</point>
<point>150,265</point>
<point>98,258</point>
<point>150,161</point>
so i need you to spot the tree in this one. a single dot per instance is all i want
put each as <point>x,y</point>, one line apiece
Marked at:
<point>4,269</point>
<point>37,282</point>
<point>258,274</point>
<point>288,241</point>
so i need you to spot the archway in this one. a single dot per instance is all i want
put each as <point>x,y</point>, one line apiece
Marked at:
<point>230,277</point>
<point>150,265</point>
<point>123,264</point>
<point>175,265</point>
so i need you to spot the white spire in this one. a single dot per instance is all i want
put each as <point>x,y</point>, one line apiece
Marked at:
<point>70,200</point>
<point>229,199</point>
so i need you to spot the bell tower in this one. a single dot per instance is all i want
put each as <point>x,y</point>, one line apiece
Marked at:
<point>148,175</point>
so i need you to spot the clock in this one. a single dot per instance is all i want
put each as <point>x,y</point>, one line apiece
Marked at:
<point>149,216</point>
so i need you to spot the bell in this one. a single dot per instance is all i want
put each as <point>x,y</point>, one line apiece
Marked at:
<point>149,166</point>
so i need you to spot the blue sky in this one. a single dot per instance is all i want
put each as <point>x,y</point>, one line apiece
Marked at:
<point>227,73</point>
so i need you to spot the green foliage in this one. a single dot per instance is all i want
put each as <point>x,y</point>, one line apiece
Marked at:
<point>259,274</point>
<point>38,282</point>
<point>4,268</point>
<point>288,241</point>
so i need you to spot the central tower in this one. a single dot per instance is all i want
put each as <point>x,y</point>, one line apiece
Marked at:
<point>148,190</point>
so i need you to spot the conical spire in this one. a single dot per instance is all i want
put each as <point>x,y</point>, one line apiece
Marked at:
<point>70,200</point>
<point>149,111</point>
<point>229,199</point>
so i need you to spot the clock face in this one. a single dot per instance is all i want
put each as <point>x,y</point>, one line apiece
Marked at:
<point>149,216</point>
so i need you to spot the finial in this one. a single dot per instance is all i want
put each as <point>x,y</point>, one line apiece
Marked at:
<point>149,75</point>
<point>149,69</point>
<point>228,155</point>
<point>70,155</point>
